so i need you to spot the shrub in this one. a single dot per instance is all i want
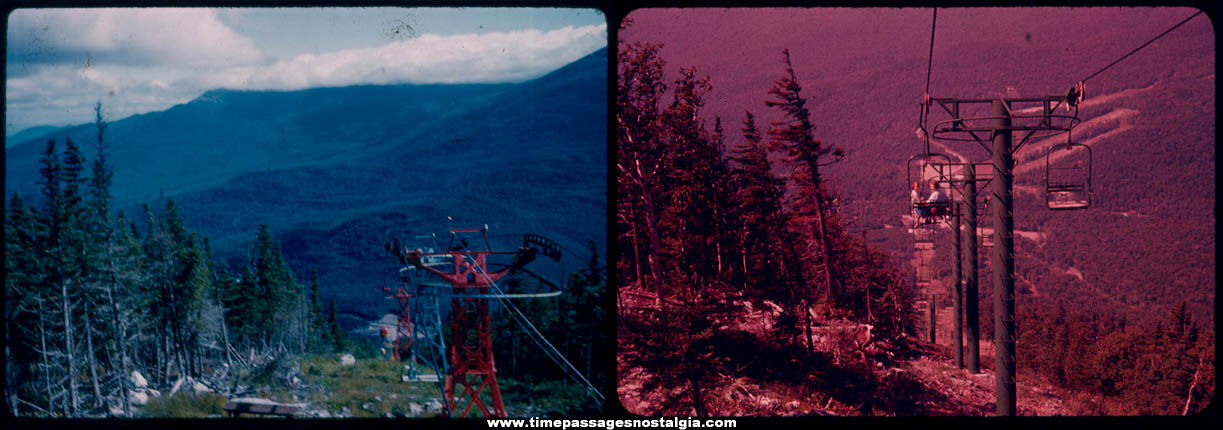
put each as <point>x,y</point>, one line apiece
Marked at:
<point>185,405</point>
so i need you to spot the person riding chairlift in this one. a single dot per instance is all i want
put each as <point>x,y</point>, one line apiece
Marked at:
<point>938,201</point>
<point>921,212</point>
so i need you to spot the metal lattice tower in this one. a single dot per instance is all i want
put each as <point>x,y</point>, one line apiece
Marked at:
<point>470,353</point>
<point>467,358</point>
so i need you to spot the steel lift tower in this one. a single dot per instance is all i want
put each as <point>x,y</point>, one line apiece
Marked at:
<point>468,353</point>
<point>993,130</point>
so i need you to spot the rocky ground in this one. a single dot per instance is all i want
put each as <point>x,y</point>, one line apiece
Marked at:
<point>927,385</point>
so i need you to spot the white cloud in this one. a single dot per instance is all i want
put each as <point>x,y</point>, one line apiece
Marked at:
<point>184,37</point>
<point>490,57</point>
<point>106,55</point>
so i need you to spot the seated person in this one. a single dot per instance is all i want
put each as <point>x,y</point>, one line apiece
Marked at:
<point>919,210</point>
<point>938,200</point>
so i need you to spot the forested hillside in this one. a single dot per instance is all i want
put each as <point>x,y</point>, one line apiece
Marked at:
<point>161,268</point>
<point>338,171</point>
<point>865,72</point>
<point>95,298</point>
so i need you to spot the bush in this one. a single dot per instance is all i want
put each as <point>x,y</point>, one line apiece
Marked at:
<point>185,405</point>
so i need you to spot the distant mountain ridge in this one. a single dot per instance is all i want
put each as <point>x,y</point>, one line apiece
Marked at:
<point>335,172</point>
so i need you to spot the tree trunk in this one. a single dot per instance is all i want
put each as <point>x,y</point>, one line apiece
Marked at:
<point>807,328</point>
<point>120,324</point>
<point>743,247</point>
<point>162,352</point>
<point>90,354</point>
<point>632,214</point>
<point>73,389</point>
<point>717,238</point>
<point>46,366</point>
<point>10,395</point>
<point>823,239</point>
<point>652,229</point>
<point>1189,397</point>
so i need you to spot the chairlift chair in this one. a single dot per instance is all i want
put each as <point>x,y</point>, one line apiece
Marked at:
<point>1068,182</point>
<point>922,168</point>
<point>923,237</point>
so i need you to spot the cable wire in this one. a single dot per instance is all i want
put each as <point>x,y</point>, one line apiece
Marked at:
<point>539,338</point>
<point>923,117</point>
<point>930,59</point>
<point>1140,47</point>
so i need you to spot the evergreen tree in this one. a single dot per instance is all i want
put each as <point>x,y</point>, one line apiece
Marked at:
<point>123,273</point>
<point>23,274</point>
<point>276,284</point>
<point>318,322</point>
<point>758,198</point>
<point>338,338</point>
<point>641,85</point>
<point>795,137</point>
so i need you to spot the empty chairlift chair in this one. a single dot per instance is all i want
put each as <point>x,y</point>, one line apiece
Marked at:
<point>923,237</point>
<point>1068,176</point>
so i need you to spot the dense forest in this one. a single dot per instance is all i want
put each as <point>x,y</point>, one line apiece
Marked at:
<point>709,228</point>
<point>94,301</point>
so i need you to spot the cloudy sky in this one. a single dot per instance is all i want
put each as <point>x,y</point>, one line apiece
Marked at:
<point>62,61</point>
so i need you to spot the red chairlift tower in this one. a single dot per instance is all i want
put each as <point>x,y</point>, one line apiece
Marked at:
<point>403,328</point>
<point>470,349</point>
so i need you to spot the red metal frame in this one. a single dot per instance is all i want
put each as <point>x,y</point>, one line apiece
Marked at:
<point>471,346</point>
<point>403,328</point>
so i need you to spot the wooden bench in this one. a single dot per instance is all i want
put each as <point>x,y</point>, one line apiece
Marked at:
<point>236,408</point>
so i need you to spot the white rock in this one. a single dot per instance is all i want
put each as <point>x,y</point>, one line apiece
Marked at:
<point>390,415</point>
<point>200,388</point>
<point>347,360</point>
<point>415,409</point>
<point>116,411</point>
<point>324,414</point>
<point>138,380</point>
<point>139,398</point>
<point>152,392</point>
<point>296,381</point>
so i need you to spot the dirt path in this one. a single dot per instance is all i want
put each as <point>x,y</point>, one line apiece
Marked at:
<point>1034,236</point>
<point>947,150</point>
<point>1073,271</point>
<point>974,395</point>
<point>1091,100</point>
<point>1124,118</point>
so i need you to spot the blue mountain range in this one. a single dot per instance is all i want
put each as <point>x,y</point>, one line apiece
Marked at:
<point>336,172</point>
